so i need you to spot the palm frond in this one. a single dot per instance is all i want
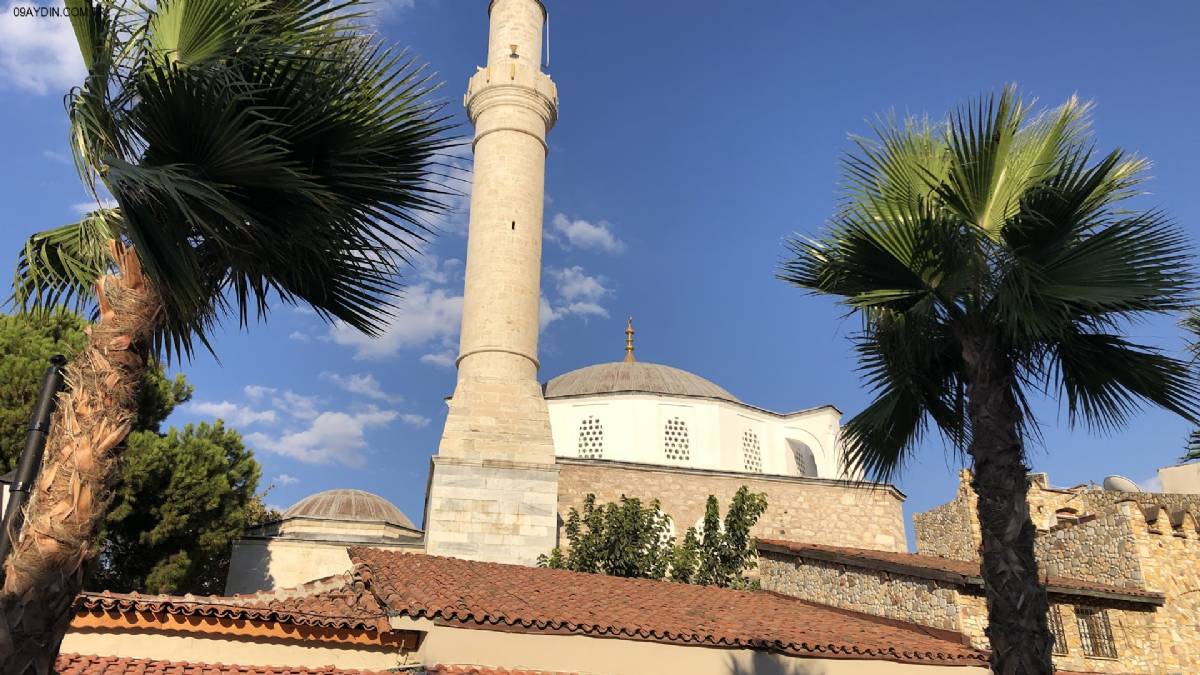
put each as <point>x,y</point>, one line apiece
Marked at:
<point>60,267</point>
<point>1105,378</point>
<point>257,149</point>
<point>912,364</point>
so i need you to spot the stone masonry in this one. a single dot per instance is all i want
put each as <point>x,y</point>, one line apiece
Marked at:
<point>931,599</point>
<point>497,445</point>
<point>1136,540</point>
<point>818,510</point>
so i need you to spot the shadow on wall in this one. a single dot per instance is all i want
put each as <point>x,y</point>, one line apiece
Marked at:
<point>249,568</point>
<point>764,663</point>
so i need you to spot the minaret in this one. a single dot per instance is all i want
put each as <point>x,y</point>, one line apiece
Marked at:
<point>493,486</point>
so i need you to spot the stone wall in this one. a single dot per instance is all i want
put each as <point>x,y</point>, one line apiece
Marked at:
<point>490,510</point>
<point>947,531</point>
<point>1168,547</point>
<point>812,510</point>
<point>894,596</point>
<point>1133,627</point>
<point>963,609</point>
<point>1096,549</point>
<point>1140,540</point>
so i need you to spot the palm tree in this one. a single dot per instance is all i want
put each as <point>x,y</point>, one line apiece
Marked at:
<point>257,151</point>
<point>990,257</point>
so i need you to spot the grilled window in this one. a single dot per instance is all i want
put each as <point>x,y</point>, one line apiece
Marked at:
<point>1054,618</point>
<point>1095,632</point>
<point>591,438</point>
<point>751,452</point>
<point>675,440</point>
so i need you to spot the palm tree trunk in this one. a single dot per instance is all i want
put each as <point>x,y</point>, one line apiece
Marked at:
<point>1016,600</point>
<point>45,570</point>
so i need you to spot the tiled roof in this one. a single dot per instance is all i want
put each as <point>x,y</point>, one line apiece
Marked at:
<point>339,601</point>
<point>76,664</point>
<point>960,572</point>
<point>511,597</point>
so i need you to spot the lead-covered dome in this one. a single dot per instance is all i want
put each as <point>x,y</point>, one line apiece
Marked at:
<point>634,377</point>
<point>355,505</point>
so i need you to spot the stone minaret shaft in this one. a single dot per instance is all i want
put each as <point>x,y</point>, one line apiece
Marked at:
<point>494,484</point>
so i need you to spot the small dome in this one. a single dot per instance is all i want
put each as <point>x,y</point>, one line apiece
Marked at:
<point>636,376</point>
<point>357,505</point>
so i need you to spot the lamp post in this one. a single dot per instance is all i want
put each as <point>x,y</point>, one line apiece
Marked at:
<point>31,456</point>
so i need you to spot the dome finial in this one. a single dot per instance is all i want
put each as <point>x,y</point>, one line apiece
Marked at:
<point>629,341</point>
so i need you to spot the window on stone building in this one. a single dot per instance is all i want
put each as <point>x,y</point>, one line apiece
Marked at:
<point>675,440</point>
<point>751,452</point>
<point>1054,618</point>
<point>1095,632</point>
<point>591,438</point>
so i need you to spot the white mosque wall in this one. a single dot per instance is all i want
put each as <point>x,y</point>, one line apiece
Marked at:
<point>720,435</point>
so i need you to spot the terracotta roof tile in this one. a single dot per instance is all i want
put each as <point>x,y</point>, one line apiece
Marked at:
<point>76,664</point>
<point>500,597</point>
<point>968,571</point>
<point>339,601</point>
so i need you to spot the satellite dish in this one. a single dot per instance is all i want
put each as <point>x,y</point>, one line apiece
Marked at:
<point>1120,484</point>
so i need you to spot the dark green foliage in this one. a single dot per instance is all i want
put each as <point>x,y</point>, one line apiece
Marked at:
<point>627,539</point>
<point>26,345</point>
<point>180,498</point>
<point>623,539</point>
<point>722,551</point>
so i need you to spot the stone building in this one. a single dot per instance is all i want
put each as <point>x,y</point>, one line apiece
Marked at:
<point>310,540</point>
<point>1122,570</point>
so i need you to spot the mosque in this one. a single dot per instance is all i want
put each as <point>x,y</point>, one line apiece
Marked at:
<point>345,583</point>
<point>621,428</point>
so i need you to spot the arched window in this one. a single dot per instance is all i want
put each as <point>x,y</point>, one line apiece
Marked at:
<point>675,440</point>
<point>751,452</point>
<point>806,462</point>
<point>591,438</point>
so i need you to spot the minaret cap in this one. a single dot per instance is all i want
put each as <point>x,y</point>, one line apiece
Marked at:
<point>629,341</point>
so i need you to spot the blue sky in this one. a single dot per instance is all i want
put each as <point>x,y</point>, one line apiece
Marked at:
<point>694,137</point>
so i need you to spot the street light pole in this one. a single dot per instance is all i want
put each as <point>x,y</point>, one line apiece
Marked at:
<point>31,456</point>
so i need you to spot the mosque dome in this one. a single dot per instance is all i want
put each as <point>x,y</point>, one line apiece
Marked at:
<point>634,377</point>
<point>354,505</point>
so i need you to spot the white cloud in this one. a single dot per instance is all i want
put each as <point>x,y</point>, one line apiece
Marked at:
<point>288,401</point>
<point>584,309</point>
<point>38,53</point>
<point>257,392</point>
<point>56,156</point>
<point>300,407</point>
<point>427,315</point>
<point>362,384</point>
<point>574,284</point>
<point>237,415</point>
<point>435,270</point>
<point>84,208</point>
<point>419,421</point>
<point>583,234</point>
<point>299,337</point>
<point>444,358</point>
<point>578,294</point>
<point>331,437</point>
<point>285,479</point>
